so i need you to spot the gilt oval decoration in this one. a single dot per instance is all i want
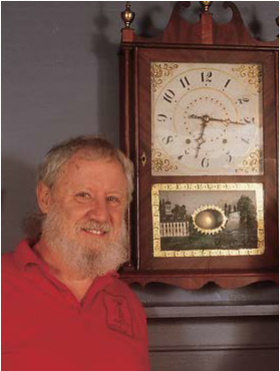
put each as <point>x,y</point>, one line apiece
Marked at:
<point>209,219</point>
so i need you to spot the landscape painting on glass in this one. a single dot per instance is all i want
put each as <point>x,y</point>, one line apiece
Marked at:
<point>218,221</point>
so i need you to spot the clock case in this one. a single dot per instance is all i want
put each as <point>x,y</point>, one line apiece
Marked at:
<point>204,41</point>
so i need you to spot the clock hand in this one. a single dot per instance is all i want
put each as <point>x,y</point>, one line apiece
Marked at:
<point>227,121</point>
<point>200,140</point>
<point>207,118</point>
<point>195,117</point>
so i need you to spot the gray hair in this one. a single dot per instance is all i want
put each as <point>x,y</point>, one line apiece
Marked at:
<point>94,147</point>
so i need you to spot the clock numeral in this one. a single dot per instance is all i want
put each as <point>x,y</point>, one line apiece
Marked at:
<point>245,140</point>
<point>184,81</point>
<point>169,95</point>
<point>161,117</point>
<point>242,100</point>
<point>226,84</point>
<point>249,120</point>
<point>186,152</point>
<point>167,140</point>
<point>205,162</point>
<point>229,158</point>
<point>206,77</point>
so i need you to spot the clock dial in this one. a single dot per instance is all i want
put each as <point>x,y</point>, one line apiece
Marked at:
<point>206,119</point>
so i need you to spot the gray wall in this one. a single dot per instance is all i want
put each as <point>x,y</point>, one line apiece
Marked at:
<point>60,79</point>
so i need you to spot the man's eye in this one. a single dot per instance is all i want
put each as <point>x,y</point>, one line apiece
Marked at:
<point>83,195</point>
<point>113,199</point>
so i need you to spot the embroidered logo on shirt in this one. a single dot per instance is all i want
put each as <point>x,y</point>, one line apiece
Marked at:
<point>118,315</point>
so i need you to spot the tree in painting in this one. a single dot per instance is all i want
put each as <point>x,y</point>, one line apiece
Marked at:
<point>247,212</point>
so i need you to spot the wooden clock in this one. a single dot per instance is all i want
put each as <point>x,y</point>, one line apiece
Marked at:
<point>199,121</point>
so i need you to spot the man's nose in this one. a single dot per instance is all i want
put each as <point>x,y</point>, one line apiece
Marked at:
<point>99,210</point>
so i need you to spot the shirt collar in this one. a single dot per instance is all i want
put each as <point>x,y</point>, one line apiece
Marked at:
<point>25,255</point>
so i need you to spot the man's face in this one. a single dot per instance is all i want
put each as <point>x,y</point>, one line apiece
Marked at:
<point>85,214</point>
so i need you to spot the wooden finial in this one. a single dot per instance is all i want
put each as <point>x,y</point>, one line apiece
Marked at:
<point>127,15</point>
<point>206,5</point>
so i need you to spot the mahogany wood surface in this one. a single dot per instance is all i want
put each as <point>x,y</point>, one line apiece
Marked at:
<point>206,31</point>
<point>204,41</point>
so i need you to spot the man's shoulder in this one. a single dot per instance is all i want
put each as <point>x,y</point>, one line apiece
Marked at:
<point>11,262</point>
<point>8,262</point>
<point>122,287</point>
<point>11,276</point>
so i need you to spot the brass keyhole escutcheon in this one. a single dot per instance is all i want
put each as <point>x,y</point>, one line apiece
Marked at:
<point>143,159</point>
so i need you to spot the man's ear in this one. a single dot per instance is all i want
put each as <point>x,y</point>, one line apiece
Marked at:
<point>43,197</point>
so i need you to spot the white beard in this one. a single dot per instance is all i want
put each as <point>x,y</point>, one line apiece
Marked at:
<point>82,259</point>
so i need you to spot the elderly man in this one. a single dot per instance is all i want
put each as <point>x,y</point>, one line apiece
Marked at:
<point>63,305</point>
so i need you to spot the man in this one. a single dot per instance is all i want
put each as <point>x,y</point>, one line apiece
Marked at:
<point>63,306</point>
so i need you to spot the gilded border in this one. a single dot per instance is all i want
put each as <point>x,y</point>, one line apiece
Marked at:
<point>257,187</point>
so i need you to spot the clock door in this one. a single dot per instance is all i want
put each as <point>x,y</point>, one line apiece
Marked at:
<point>201,140</point>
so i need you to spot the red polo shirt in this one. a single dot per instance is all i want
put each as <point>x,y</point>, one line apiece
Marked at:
<point>44,327</point>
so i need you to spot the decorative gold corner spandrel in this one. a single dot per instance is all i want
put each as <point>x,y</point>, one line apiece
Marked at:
<point>252,74</point>
<point>160,163</point>
<point>253,164</point>
<point>159,73</point>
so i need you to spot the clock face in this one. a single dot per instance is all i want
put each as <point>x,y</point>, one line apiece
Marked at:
<point>206,119</point>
